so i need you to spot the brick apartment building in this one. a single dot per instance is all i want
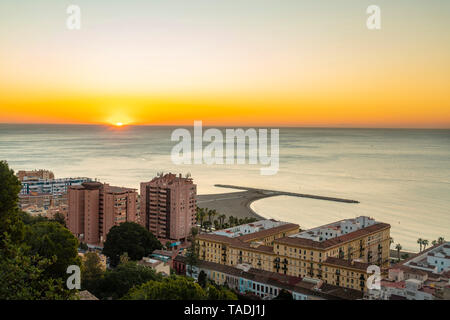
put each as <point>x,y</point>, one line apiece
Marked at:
<point>168,205</point>
<point>95,207</point>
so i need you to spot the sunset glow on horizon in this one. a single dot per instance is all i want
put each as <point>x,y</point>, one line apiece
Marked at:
<point>226,63</point>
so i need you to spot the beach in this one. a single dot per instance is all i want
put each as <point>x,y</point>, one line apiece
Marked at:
<point>236,204</point>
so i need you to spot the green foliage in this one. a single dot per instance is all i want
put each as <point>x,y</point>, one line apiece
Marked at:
<point>10,221</point>
<point>172,288</point>
<point>178,288</point>
<point>51,240</point>
<point>83,246</point>
<point>124,258</point>
<point>22,276</point>
<point>202,279</point>
<point>220,293</point>
<point>30,269</point>
<point>131,238</point>
<point>60,218</point>
<point>28,219</point>
<point>92,267</point>
<point>192,251</point>
<point>117,282</point>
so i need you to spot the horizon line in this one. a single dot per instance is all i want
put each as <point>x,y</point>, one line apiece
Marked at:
<point>227,125</point>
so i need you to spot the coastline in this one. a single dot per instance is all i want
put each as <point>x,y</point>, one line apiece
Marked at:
<point>236,204</point>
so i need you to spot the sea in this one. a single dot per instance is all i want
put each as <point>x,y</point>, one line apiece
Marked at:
<point>399,176</point>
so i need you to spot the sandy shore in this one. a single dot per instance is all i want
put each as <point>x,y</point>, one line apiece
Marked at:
<point>236,204</point>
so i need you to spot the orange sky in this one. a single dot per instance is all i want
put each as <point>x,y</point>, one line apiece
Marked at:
<point>298,66</point>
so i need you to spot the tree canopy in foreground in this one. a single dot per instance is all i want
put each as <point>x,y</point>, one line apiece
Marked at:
<point>130,238</point>
<point>178,288</point>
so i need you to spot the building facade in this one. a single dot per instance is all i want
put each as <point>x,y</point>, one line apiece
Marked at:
<point>35,174</point>
<point>338,253</point>
<point>168,206</point>
<point>53,187</point>
<point>425,276</point>
<point>267,285</point>
<point>94,208</point>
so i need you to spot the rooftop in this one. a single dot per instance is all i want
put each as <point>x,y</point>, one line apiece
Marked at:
<point>253,231</point>
<point>250,228</point>
<point>303,240</point>
<point>354,264</point>
<point>300,285</point>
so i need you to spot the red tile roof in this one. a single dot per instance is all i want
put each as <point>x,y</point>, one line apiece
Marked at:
<point>361,266</point>
<point>295,241</point>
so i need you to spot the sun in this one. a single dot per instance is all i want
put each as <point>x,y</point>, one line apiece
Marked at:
<point>118,124</point>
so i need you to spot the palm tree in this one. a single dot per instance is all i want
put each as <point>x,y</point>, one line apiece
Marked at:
<point>425,243</point>
<point>212,214</point>
<point>222,220</point>
<point>201,216</point>
<point>391,241</point>
<point>441,240</point>
<point>434,242</point>
<point>231,221</point>
<point>398,247</point>
<point>420,241</point>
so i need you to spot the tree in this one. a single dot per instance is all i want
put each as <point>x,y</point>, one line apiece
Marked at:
<point>231,221</point>
<point>219,293</point>
<point>424,243</point>
<point>178,288</point>
<point>434,242</point>
<point>201,215</point>
<point>419,241</point>
<point>124,258</point>
<point>168,243</point>
<point>60,218</point>
<point>10,220</point>
<point>202,280</point>
<point>399,248</point>
<point>22,271</point>
<point>207,225</point>
<point>192,251</point>
<point>28,219</point>
<point>22,276</point>
<point>92,267</point>
<point>131,238</point>
<point>222,218</point>
<point>441,240</point>
<point>115,283</point>
<point>50,239</point>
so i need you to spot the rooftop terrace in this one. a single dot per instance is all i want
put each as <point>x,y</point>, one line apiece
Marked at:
<point>249,228</point>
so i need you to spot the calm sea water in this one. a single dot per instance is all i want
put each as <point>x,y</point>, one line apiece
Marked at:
<point>401,177</point>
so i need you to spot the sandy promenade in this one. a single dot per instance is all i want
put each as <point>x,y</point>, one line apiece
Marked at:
<point>236,204</point>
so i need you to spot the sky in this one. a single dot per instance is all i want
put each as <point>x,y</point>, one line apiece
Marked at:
<point>233,62</point>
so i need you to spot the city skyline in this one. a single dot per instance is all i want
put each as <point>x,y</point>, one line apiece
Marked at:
<point>227,63</point>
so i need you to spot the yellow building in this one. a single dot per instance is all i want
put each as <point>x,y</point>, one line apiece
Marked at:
<point>328,252</point>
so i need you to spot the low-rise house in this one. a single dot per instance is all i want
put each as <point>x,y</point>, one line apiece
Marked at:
<point>424,276</point>
<point>267,285</point>
<point>158,265</point>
